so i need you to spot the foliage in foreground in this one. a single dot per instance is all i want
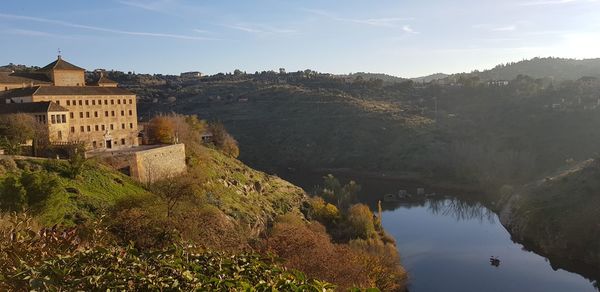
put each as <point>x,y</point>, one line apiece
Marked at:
<point>55,259</point>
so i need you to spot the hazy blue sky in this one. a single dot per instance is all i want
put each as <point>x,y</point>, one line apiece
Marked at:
<point>404,38</point>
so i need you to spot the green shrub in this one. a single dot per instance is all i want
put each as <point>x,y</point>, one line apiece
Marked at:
<point>57,260</point>
<point>13,196</point>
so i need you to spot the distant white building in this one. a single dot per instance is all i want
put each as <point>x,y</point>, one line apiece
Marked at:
<point>191,74</point>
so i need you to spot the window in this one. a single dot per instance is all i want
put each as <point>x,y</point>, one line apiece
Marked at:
<point>130,101</point>
<point>87,102</point>
<point>97,128</point>
<point>58,102</point>
<point>68,102</point>
<point>99,102</point>
<point>82,129</point>
<point>64,118</point>
<point>131,125</point>
<point>122,126</point>
<point>94,144</point>
<point>53,119</point>
<point>103,128</point>
<point>89,128</point>
<point>124,101</point>
<point>122,113</point>
<point>112,101</point>
<point>71,115</point>
<point>81,115</point>
<point>72,129</point>
<point>95,114</point>
<point>122,141</point>
<point>80,102</point>
<point>106,113</point>
<point>118,101</point>
<point>93,102</point>
<point>74,102</point>
<point>87,114</point>
<point>112,113</point>
<point>111,127</point>
<point>105,102</point>
<point>130,112</point>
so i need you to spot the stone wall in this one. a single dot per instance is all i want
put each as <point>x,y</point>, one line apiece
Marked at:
<point>154,164</point>
<point>146,163</point>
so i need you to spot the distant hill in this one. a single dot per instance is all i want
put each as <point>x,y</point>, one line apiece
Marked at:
<point>430,78</point>
<point>385,77</point>
<point>556,68</point>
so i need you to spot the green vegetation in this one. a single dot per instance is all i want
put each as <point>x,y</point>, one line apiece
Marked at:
<point>214,227</point>
<point>51,259</point>
<point>554,214</point>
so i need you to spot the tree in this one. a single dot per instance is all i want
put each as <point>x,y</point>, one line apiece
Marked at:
<point>76,160</point>
<point>341,196</point>
<point>223,141</point>
<point>161,129</point>
<point>173,190</point>
<point>17,129</point>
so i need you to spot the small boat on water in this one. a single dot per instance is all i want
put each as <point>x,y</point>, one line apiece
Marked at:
<point>494,261</point>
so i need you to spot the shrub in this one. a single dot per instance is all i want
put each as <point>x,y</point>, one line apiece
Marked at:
<point>325,213</point>
<point>39,185</point>
<point>359,222</point>
<point>308,248</point>
<point>13,196</point>
<point>55,260</point>
<point>382,263</point>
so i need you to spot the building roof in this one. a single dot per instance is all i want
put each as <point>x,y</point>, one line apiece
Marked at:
<point>81,90</point>
<point>63,90</point>
<point>60,64</point>
<point>31,107</point>
<point>104,80</point>
<point>19,92</point>
<point>24,77</point>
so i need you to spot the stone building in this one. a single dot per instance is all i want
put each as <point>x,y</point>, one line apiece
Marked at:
<point>100,115</point>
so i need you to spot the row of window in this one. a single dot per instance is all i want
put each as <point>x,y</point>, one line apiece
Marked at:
<point>100,127</point>
<point>58,119</point>
<point>109,143</point>
<point>87,114</point>
<point>93,102</point>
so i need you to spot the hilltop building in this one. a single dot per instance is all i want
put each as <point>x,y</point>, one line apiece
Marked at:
<point>100,115</point>
<point>191,75</point>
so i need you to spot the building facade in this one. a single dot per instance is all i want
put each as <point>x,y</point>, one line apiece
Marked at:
<point>100,115</point>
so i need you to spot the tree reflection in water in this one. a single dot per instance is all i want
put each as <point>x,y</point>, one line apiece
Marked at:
<point>461,209</point>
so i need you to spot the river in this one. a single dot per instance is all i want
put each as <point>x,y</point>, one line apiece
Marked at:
<point>446,243</point>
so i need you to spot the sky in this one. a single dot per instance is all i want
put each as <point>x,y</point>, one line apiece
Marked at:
<point>400,37</point>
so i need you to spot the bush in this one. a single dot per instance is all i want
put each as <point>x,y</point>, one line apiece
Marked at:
<point>308,248</point>
<point>359,222</point>
<point>321,211</point>
<point>27,189</point>
<point>13,196</point>
<point>55,260</point>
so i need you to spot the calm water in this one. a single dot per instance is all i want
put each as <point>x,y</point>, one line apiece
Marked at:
<point>446,246</point>
<point>445,243</point>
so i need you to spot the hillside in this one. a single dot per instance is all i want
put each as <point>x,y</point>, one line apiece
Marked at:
<point>255,222</point>
<point>558,215</point>
<point>552,68</point>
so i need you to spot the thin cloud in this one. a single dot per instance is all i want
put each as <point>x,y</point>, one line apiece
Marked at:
<point>505,28</point>
<point>381,22</point>
<point>103,29</point>
<point>155,6</point>
<point>408,29</point>
<point>258,29</point>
